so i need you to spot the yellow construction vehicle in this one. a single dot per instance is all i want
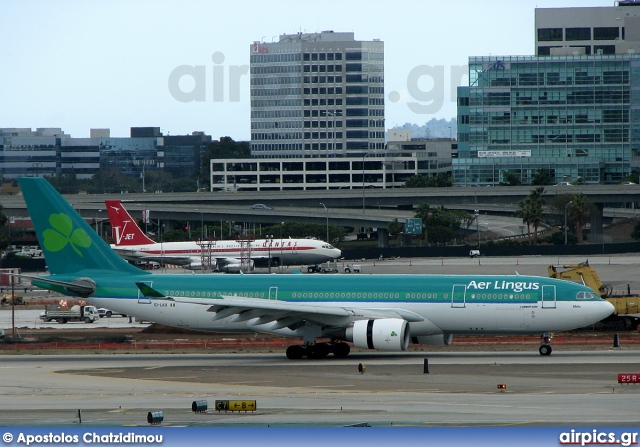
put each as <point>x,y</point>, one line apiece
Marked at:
<point>626,314</point>
<point>6,299</point>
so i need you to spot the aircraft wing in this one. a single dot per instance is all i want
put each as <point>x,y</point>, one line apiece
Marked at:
<point>135,255</point>
<point>284,313</point>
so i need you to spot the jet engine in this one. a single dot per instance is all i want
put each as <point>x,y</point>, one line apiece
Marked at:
<point>385,334</point>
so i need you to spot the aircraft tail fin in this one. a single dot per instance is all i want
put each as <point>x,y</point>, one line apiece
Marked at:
<point>125,229</point>
<point>68,242</point>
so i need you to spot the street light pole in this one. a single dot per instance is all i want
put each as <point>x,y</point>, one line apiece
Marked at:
<point>565,221</point>
<point>477,214</point>
<point>201,225</point>
<point>96,221</point>
<point>363,157</point>
<point>327,211</point>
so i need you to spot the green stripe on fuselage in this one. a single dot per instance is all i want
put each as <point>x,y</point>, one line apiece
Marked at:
<point>348,288</point>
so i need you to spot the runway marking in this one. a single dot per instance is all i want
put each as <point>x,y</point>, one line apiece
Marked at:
<point>160,378</point>
<point>331,386</point>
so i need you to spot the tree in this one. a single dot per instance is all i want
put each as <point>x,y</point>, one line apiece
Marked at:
<point>634,177</point>
<point>4,233</point>
<point>542,177</point>
<point>537,202</point>
<point>112,179</point>
<point>526,212</point>
<point>635,234</point>
<point>441,224</point>
<point>510,179</point>
<point>424,212</point>
<point>395,227</point>
<point>440,180</point>
<point>159,181</point>
<point>416,181</point>
<point>66,182</point>
<point>579,211</point>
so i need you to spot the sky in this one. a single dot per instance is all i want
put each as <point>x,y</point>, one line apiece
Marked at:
<point>114,64</point>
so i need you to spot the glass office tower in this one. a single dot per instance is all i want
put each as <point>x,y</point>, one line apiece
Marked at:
<point>577,116</point>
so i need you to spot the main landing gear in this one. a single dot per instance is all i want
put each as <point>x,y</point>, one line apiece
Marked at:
<point>318,350</point>
<point>545,349</point>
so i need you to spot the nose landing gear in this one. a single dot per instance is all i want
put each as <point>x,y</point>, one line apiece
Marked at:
<point>545,349</point>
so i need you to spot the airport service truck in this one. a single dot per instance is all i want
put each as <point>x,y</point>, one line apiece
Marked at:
<point>88,314</point>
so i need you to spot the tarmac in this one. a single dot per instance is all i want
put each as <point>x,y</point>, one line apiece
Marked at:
<point>567,388</point>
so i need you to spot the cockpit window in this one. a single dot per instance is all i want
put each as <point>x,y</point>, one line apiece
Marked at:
<point>328,246</point>
<point>586,295</point>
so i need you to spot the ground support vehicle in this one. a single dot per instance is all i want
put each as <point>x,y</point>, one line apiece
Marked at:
<point>88,314</point>
<point>626,314</point>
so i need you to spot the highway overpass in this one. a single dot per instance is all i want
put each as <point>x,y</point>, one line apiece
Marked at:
<point>346,207</point>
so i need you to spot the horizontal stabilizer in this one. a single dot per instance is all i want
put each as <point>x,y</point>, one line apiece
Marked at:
<point>82,287</point>
<point>149,292</point>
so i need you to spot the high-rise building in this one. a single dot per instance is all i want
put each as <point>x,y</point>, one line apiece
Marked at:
<point>588,30</point>
<point>317,95</point>
<point>573,110</point>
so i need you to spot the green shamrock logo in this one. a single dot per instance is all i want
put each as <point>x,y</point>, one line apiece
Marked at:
<point>63,233</point>
<point>394,334</point>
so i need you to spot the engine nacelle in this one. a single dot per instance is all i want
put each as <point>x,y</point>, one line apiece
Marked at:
<point>385,334</point>
<point>437,339</point>
<point>237,267</point>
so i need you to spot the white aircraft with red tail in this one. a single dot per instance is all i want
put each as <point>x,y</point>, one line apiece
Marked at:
<point>131,243</point>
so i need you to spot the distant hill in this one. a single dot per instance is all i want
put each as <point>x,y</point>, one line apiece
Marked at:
<point>434,128</point>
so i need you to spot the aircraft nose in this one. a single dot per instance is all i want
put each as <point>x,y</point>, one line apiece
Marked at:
<point>606,308</point>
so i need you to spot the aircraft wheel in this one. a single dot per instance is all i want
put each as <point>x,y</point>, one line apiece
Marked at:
<point>545,350</point>
<point>347,270</point>
<point>295,352</point>
<point>341,349</point>
<point>318,350</point>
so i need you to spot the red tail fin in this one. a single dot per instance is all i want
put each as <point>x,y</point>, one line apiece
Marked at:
<point>123,226</point>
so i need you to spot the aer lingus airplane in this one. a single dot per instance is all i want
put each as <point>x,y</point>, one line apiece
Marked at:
<point>384,312</point>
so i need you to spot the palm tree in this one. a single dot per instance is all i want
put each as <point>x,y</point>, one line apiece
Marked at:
<point>526,212</point>
<point>537,202</point>
<point>579,211</point>
<point>424,212</point>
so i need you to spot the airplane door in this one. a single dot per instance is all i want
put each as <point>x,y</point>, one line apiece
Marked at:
<point>458,294</point>
<point>548,297</point>
<point>273,292</point>
<point>141,298</point>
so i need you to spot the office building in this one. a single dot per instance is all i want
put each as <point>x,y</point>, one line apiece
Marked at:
<point>574,109</point>
<point>49,152</point>
<point>317,95</point>
<point>588,30</point>
<point>391,168</point>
